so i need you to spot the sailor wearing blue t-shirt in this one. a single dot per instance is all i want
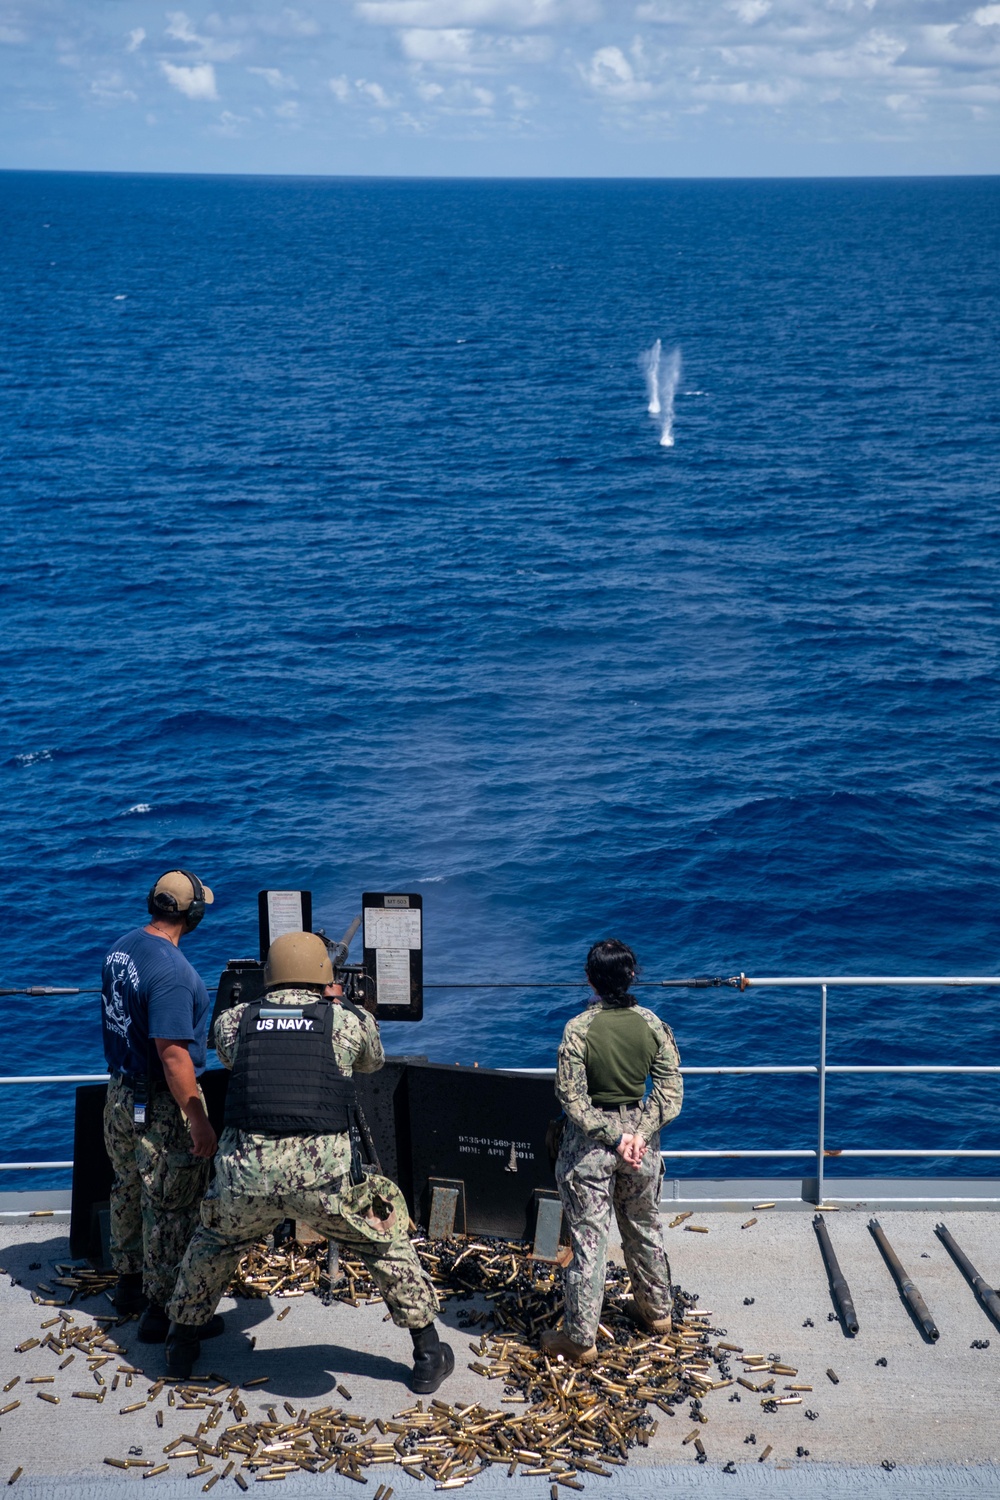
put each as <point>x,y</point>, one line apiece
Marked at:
<point>155,1013</point>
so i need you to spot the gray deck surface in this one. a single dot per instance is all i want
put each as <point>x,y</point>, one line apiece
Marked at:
<point>933,1410</point>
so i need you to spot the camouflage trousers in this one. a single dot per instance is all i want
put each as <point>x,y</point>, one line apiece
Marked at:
<point>231,1224</point>
<point>592,1179</point>
<point>157,1187</point>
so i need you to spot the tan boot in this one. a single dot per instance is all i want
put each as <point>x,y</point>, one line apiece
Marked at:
<point>633,1312</point>
<point>555,1342</point>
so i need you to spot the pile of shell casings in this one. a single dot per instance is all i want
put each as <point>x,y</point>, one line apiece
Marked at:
<point>554,1419</point>
<point>289,1272</point>
<point>78,1281</point>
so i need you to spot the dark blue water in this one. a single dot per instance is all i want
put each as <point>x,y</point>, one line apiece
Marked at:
<point>340,551</point>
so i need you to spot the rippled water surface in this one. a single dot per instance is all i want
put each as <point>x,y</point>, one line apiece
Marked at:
<point>341,550</point>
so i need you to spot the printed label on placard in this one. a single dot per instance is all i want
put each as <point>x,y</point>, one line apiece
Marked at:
<point>391,929</point>
<point>397,901</point>
<point>392,976</point>
<point>284,913</point>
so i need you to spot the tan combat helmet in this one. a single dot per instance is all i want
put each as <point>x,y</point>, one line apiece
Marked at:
<point>298,958</point>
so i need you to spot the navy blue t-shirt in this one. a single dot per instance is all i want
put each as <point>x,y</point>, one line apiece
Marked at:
<point>149,990</point>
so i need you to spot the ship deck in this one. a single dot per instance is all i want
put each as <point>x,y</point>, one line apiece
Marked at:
<point>930,1411</point>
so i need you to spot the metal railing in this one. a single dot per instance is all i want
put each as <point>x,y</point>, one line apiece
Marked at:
<point>820,1070</point>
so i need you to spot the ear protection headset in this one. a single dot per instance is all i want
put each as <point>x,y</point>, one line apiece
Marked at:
<point>163,904</point>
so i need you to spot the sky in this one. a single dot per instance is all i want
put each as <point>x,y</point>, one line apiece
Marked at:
<point>605,88</point>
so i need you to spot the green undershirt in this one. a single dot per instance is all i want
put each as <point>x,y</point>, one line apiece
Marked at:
<point>620,1052</point>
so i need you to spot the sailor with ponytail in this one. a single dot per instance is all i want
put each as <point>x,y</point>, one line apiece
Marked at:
<point>609,1157</point>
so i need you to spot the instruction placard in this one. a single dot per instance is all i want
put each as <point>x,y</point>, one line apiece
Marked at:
<point>279,912</point>
<point>393,939</point>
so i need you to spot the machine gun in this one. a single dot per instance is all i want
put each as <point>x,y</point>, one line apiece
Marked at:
<point>242,980</point>
<point>354,978</point>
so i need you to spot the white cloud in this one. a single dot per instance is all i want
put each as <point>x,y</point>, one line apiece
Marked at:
<point>180,29</point>
<point>610,74</point>
<point>230,125</point>
<point>196,82</point>
<point>136,37</point>
<point>459,98</point>
<point>287,110</point>
<point>210,48</point>
<point>376,93</point>
<point>746,92</point>
<point>750,11</point>
<point>340,88</point>
<point>443,13</point>
<point>274,78</point>
<point>987,15</point>
<point>463,50</point>
<point>12,35</point>
<point>110,89</point>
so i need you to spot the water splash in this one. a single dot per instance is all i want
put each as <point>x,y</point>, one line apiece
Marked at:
<point>651,364</point>
<point>662,374</point>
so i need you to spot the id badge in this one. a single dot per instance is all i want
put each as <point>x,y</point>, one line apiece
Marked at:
<point>139,1096</point>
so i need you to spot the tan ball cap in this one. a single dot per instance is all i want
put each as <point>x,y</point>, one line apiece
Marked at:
<point>297,958</point>
<point>178,885</point>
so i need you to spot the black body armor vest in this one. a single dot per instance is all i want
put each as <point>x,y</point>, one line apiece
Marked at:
<point>285,1079</point>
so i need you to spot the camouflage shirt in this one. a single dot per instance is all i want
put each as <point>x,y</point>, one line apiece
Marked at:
<point>255,1165</point>
<point>661,1104</point>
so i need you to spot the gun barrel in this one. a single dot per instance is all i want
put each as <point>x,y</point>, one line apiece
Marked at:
<point>348,937</point>
<point>338,951</point>
<point>841,1291</point>
<point>906,1286</point>
<point>989,1298</point>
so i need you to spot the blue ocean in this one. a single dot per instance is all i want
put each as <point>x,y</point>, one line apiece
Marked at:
<point>342,550</point>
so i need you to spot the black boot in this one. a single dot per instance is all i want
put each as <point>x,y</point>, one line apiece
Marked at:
<point>154,1323</point>
<point>433,1361</point>
<point>183,1345</point>
<point>129,1296</point>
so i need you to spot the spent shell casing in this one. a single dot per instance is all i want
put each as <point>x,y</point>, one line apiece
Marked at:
<point>12,1383</point>
<point>749,1223</point>
<point>159,1418</point>
<point>257,1380</point>
<point>834,1376</point>
<point>16,1475</point>
<point>40,1380</point>
<point>696,1228</point>
<point>117,1463</point>
<point>766,1454</point>
<point>700,1446</point>
<point>160,1469</point>
<point>45,1396</point>
<point>136,1406</point>
<point>208,1485</point>
<point>284,1313</point>
<point>758,1206</point>
<point>11,1406</point>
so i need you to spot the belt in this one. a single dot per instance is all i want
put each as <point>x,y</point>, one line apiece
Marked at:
<point>612,1109</point>
<point>131,1079</point>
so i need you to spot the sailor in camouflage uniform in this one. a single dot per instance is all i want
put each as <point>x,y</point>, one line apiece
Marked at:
<point>159,1140</point>
<point>610,1151</point>
<point>285,1152</point>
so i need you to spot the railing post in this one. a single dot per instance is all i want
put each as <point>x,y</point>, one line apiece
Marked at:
<point>821,1131</point>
